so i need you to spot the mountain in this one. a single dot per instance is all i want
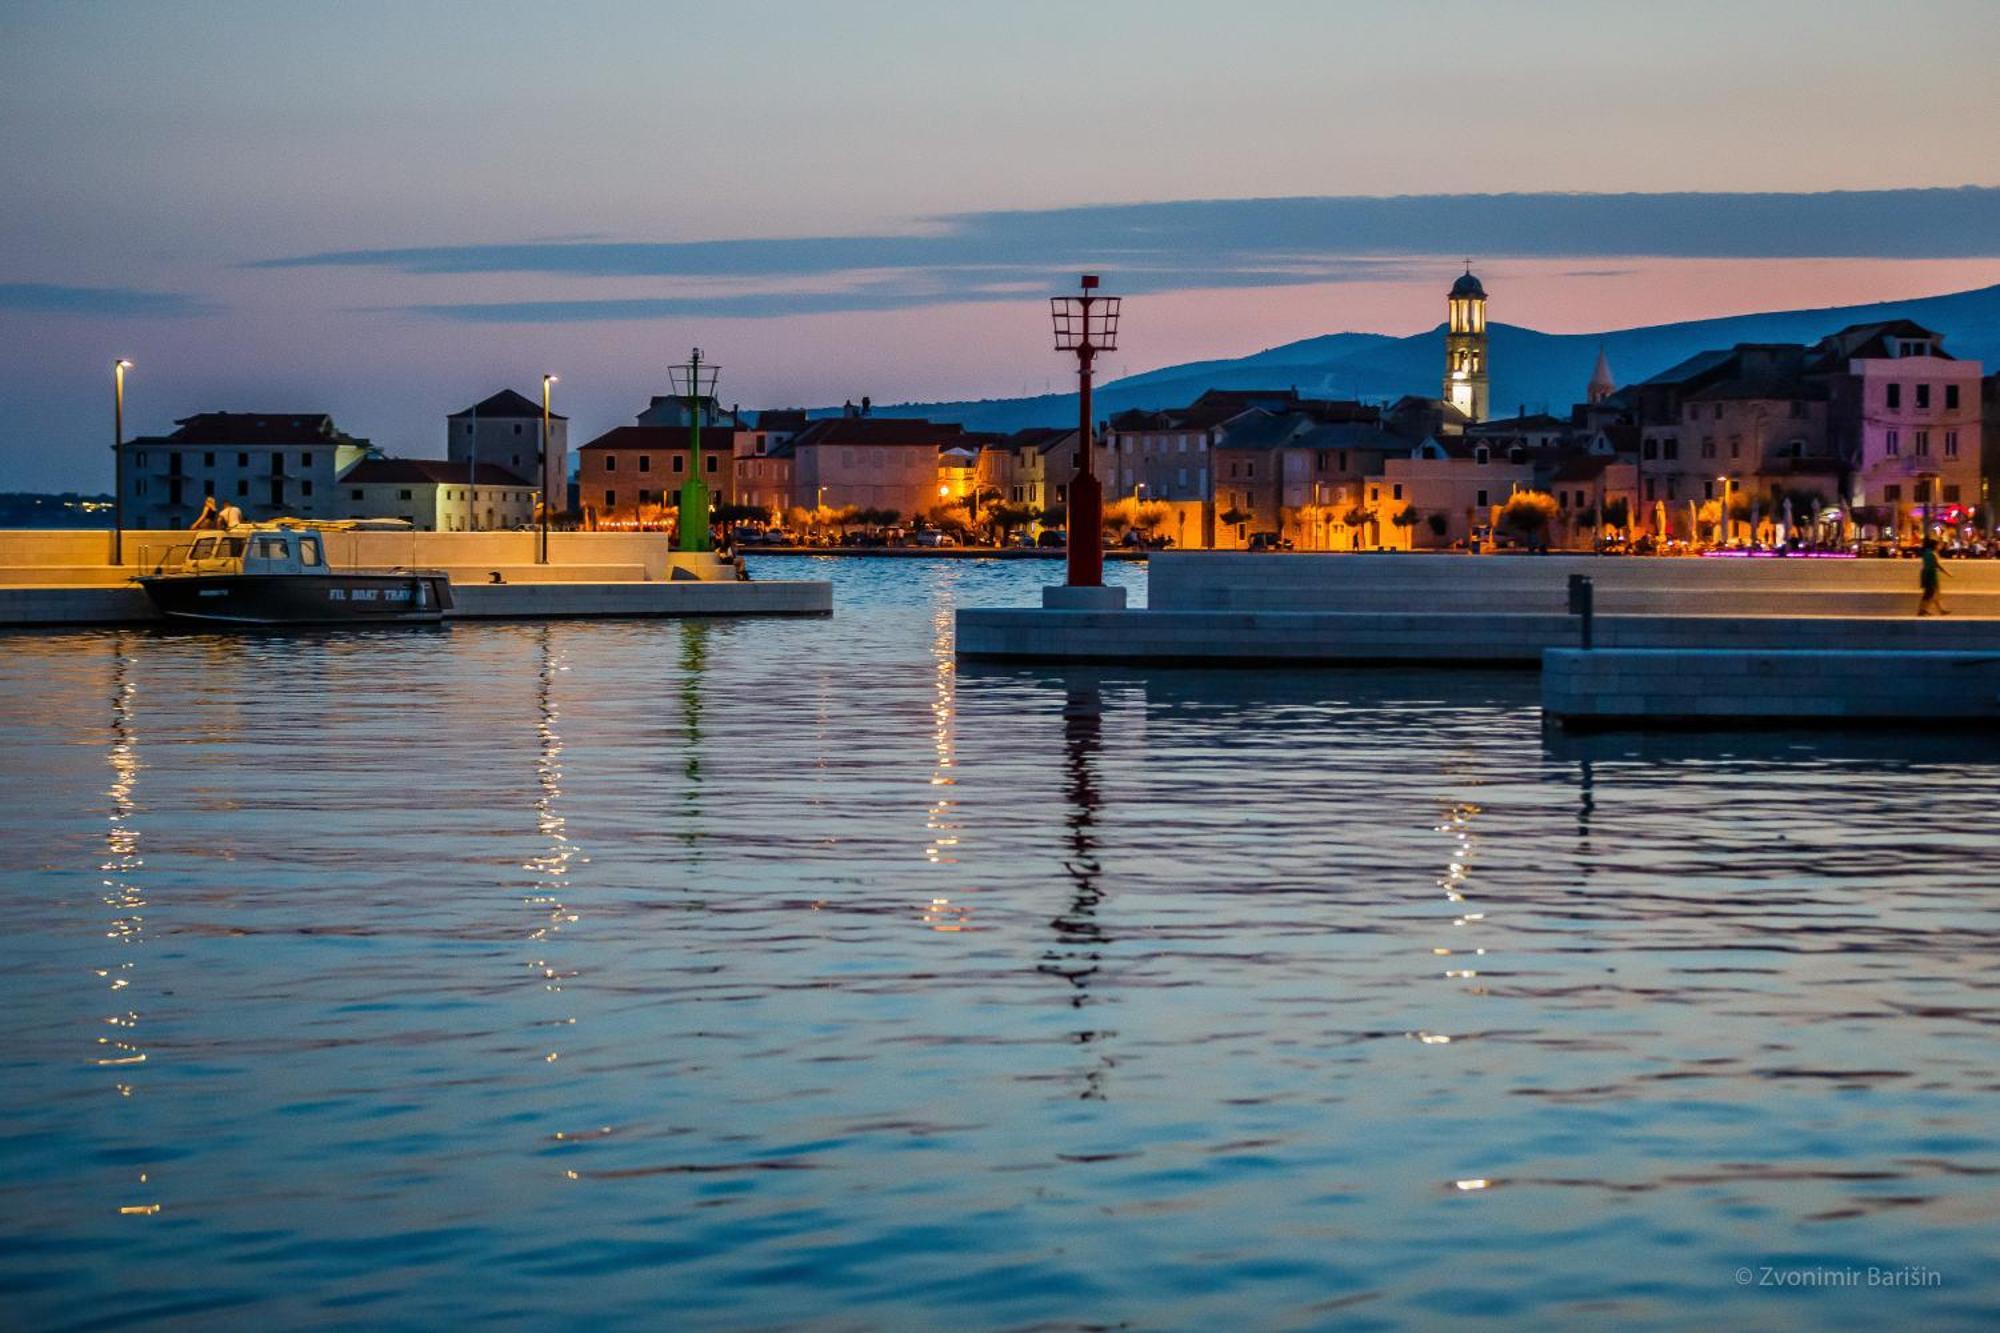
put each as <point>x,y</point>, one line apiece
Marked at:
<point>1539,371</point>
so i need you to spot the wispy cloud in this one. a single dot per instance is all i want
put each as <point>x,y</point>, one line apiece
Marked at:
<point>42,298</point>
<point>1191,244</point>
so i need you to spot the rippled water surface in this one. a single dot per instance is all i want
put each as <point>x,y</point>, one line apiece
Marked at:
<point>644,974</point>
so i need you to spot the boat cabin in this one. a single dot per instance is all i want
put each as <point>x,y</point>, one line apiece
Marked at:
<point>256,551</point>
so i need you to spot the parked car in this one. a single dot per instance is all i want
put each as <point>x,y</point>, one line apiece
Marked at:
<point>933,537</point>
<point>1052,538</point>
<point>1269,541</point>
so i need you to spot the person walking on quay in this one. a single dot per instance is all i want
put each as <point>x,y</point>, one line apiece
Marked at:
<point>1928,578</point>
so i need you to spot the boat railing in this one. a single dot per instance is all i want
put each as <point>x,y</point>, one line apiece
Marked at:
<point>157,559</point>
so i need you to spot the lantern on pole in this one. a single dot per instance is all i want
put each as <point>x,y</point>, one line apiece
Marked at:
<point>1085,324</point>
<point>695,381</point>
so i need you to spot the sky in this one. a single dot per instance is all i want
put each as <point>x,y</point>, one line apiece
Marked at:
<point>389,210</point>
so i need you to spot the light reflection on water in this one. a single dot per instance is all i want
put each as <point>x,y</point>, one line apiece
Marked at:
<point>892,991</point>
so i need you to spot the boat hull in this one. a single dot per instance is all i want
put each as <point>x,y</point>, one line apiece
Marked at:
<point>301,599</point>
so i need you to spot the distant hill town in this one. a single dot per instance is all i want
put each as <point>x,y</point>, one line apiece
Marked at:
<point>1532,371</point>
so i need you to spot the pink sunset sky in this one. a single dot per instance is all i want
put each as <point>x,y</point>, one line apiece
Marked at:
<point>387,211</point>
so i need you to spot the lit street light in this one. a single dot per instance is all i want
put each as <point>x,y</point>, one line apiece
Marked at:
<point>547,380</point>
<point>697,382</point>
<point>118,369</point>
<point>1086,325</point>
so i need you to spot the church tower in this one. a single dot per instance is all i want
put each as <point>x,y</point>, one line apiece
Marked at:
<point>1465,347</point>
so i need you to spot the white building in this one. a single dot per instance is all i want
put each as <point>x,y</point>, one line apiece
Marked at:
<point>506,431</point>
<point>267,464</point>
<point>436,496</point>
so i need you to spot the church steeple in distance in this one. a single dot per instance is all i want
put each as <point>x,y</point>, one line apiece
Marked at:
<point>1602,386</point>
<point>1465,346</point>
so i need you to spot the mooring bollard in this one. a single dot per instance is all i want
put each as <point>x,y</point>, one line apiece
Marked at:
<point>1582,602</point>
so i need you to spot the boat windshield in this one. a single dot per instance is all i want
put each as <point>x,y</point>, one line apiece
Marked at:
<point>271,548</point>
<point>204,547</point>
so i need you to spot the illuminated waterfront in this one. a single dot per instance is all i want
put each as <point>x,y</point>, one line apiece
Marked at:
<point>779,971</point>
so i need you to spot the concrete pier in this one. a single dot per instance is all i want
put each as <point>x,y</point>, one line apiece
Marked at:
<point>1504,611</point>
<point>1714,687</point>
<point>66,578</point>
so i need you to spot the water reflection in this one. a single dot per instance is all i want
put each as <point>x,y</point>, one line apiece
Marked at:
<point>548,898</point>
<point>122,1051</point>
<point>1080,938</point>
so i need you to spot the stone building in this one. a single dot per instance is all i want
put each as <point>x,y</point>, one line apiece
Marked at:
<point>888,464</point>
<point>506,430</point>
<point>267,464</point>
<point>434,495</point>
<point>633,474</point>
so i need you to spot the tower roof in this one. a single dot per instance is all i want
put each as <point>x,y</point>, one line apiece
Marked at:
<point>1600,378</point>
<point>1467,285</point>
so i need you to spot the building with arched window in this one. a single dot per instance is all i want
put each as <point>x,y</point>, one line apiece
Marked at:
<point>1465,369</point>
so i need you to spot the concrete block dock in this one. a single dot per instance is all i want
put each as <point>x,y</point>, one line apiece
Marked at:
<point>1714,687</point>
<point>1506,611</point>
<point>67,578</point>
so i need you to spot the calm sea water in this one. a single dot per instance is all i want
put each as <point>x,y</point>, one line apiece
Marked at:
<point>650,974</point>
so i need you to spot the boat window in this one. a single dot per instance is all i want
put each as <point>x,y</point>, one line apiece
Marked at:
<point>230,547</point>
<point>309,551</point>
<point>271,548</point>
<point>204,547</point>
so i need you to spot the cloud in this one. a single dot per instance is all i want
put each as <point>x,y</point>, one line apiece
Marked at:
<point>1188,244</point>
<point>42,298</point>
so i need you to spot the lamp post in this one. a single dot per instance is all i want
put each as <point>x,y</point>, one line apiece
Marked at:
<point>1085,324</point>
<point>547,380</point>
<point>1724,525</point>
<point>696,381</point>
<point>118,369</point>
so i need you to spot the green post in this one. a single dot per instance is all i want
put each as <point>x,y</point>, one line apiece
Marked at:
<point>694,491</point>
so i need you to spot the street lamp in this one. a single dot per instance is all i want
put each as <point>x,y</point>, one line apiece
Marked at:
<point>547,380</point>
<point>118,369</point>
<point>1085,324</point>
<point>1724,526</point>
<point>695,382</point>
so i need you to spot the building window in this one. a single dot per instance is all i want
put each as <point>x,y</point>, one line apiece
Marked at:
<point>1923,444</point>
<point>610,499</point>
<point>1892,444</point>
<point>1736,446</point>
<point>208,460</point>
<point>645,462</point>
<point>680,463</point>
<point>1396,492</point>
<point>1670,450</point>
<point>354,495</point>
<point>1480,455</point>
<point>708,463</point>
<point>1718,411</point>
<point>1250,471</point>
<point>242,460</point>
<point>1923,396</point>
<point>611,463</point>
<point>1708,446</point>
<point>517,428</point>
<point>1951,444</point>
<point>1895,398</point>
<point>305,459</point>
<point>1951,397</point>
<point>400,495</point>
<point>1650,450</point>
<point>243,486</point>
<point>1649,488</point>
<point>305,488</point>
<point>1708,490</point>
<point>1892,493</point>
<point>139,486</point>
<point>139,459</point>
<point>1951,495</point>
<point>1481,501</point>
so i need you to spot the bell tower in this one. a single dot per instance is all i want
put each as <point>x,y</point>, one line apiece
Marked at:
<point>1465,346</point>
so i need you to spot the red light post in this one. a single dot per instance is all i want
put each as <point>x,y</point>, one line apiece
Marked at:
<point>1086,324</point>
